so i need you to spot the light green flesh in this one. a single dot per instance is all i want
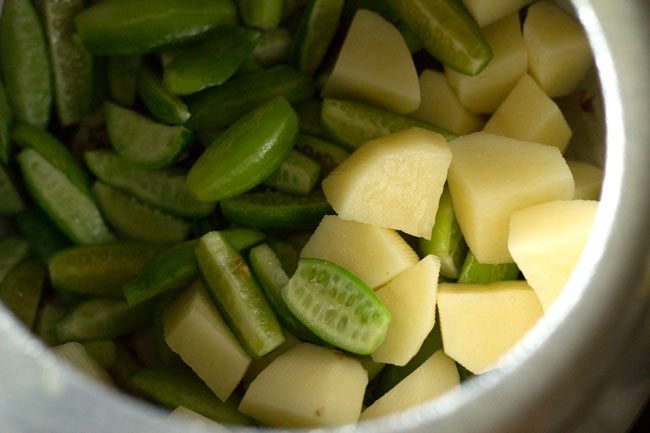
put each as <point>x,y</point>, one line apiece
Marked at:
<point>163,189</point>
<point>55,152</point>
<point>328,155</point>
<point>101,319</point>
<point>232,286</point>
<point>6,119</point>
<point>73,211</point>
<point>142,141</point>
<point>272,278</point>
<point>12,251</point>
<point>174,387</point>
<point>21,291</point>
<point>474,272</point>
<point>446,241</point>
<point>272,48</point>
<point>122,78</point>
<point>100,270</point>
<point>162,104</point>
<point>316,31</point>
<point>336,306</point>
<point>10,203</point>
<point>353,123</point>
<point>25,63</point>
<point>298,174</point>
<point>136,220</point>
<point>43,237</point>
<point>72,65</point>
<point>447,31</point>
<point>267,210</point>
<point>103,351</point>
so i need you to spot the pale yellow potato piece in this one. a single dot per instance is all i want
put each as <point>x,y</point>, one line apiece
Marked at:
<point>440,105</point>
<point>435,376</point>
<point>374,254</point>
<point>194,329</point>
<point>308,386</point>
<point>411,299</point>
<point>558,50</point>
<point>491,177</point>
<point>529,114</point>
<point>393,181</point>
<point>588,179</point>
<point>484,92</point>
<point>375,66</point>
<point>486,12</point>
<point>258,365</point>
<point>183,413</point>
<point>77,356</point>
<point>546,242</point>
<point>481,322</point>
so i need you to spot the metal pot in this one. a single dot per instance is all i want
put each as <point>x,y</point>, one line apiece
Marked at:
<point>584,368</point>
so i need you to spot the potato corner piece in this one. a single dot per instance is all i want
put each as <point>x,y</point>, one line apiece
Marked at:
<point>375,66</point>
<point>491,177</point>
<point>546,242</point>
<point>393,182</point>
<point>482,322</point>
<point>308,386</point>
<point>411,299</point>
<point>435,376</point>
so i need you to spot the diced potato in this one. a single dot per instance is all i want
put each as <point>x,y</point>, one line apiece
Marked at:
<point>258,365</point>
<point>194,329</point>
<point>374,254</point>
<point>558,50</point>
<point>411,299</point>
<point>375,66</point>
<point>435,376</point>
<point>529,114</point>
<point>181,412</point>
<point>483,92</point>
<point>440,105</point>
<point>485,12</point>
<point>481,322</point>
<point>491,177</point>
<point>588,179</point>
<point>546,242</point>
<point>308,386</point>
<point>77,356</point>
<point>393,181</point>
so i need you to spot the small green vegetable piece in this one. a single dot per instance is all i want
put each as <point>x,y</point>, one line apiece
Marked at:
<point>272,278</point>
<point>174,387</point>
<point>43,237</point>
<point>353,123</point>
<point>122,74</point>
<point>220,106</point>
<point>243,238</point>
<point>21,291</point>
<point>12,251</point>
<point>447,241</point>
<point>210,63</point>
<point>232,286</point>
<point>166,190</point>
<point>72,65</point>
<point>100,319</point>
<point>272,48</point>
<point>315,33</point>
<point>48,317</point>
<point>263,14</point>
<point>55,152</point>
<point>447,31</point>
<point>474,272</point>
<point>142,141</point>
<point>269,210</point>
<point>137,26</point>
<point>6,120</point>
<point>74,212</point>
<point>103,351</point>
<point>100,270</point>
<point>25,63</point>
<point>309,117</point>
<point>161,103</point>
<point>136,220</point>
<point>298,174</point>
<point>10,201</point>
<point>337,306</point>
<point>246,154</point>
<point>327,154</point>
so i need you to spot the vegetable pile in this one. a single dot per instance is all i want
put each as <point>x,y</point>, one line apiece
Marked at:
<point>288,213</point>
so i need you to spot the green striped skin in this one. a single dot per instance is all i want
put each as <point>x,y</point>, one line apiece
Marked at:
<point>161,103</point>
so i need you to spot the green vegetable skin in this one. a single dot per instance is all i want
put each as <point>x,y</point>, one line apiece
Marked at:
<point>11,202</point>
<point>122,78</point>
<point>263,14</point>
<point>6,119</point>
<point>21,291</point>
<point>246,154</point>
<point>43,237</point>
<point>315,33</point>
<point>476,273</point>
<point>161,103</point>
<point>133,26</point>
<point>12,251</point>
<point>327,154</point>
